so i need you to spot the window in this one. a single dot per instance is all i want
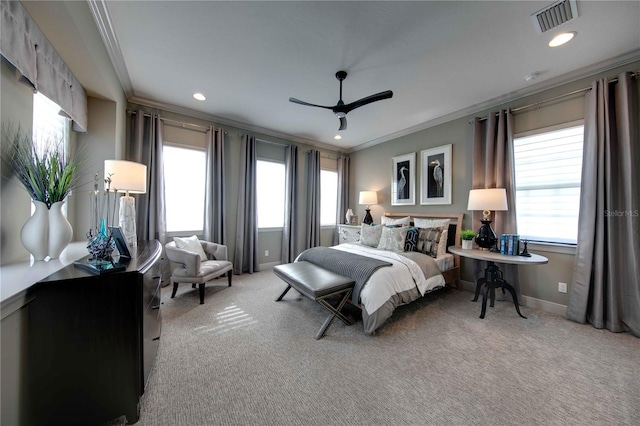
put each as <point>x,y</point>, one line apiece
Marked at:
<point>548,169</point>
<point>184,188</point>
<point>270,188</point>
<point>49,127</point>
<point>328,197</point>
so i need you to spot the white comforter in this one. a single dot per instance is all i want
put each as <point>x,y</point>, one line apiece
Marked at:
<point>405,274</point>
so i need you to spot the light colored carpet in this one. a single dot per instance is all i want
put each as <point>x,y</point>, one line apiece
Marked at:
<point>243,359</point>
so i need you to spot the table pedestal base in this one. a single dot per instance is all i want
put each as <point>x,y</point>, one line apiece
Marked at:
<point>492,279</point>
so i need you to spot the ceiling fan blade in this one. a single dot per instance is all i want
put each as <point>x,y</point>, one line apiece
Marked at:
<point>298,101</point>
<point>343,123</point>
<point>364,101</point>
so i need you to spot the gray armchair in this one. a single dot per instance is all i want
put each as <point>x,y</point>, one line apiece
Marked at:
<point>191,269</point>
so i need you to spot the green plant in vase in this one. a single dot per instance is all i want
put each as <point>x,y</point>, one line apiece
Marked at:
<point>48,171</point>
<point>467,236</point>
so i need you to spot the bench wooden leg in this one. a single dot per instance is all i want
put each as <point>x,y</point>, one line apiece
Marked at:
<point>335,313</point>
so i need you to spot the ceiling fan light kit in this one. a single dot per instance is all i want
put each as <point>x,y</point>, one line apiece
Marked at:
<point>341,110</point>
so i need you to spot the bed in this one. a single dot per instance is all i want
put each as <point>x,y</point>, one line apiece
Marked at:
<point>412,274</point>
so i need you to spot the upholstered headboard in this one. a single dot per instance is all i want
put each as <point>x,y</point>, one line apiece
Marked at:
<point>455,223</point>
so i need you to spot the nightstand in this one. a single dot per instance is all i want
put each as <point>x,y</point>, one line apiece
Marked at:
<point>349,233</point>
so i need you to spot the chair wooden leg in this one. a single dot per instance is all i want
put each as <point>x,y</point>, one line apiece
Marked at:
<point>175,288</point>
<point>202,294</point>
<point>230,274</point>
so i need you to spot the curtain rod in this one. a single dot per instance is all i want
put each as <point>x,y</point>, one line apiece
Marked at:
<point>176,123</point>
<point>555,98</point>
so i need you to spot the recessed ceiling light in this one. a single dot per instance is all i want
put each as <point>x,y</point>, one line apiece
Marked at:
<point>532,76</point>
<point>199,96</point>
<point>561,39</point>
<point>337,137</point>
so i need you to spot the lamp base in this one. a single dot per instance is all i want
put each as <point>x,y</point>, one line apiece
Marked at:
<point>127,219</point>
<point>486,237</point>
<point>367,217</point>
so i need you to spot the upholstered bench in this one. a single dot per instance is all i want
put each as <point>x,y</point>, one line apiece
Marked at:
<point>317,284</point>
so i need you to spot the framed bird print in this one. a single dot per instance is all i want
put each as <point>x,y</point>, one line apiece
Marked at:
<point>403,180</point>
<point>435,175</point>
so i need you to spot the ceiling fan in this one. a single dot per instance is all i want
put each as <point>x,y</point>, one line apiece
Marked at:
<point>341,110</point>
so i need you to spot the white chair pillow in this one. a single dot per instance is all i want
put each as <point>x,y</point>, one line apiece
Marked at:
<point>191,244</point>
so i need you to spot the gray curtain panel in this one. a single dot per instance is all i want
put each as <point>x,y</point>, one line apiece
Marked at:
<point>343,195</point>
<point>246,254</point>
<point>605,288</point>
<point>290,230</point>
<point>215,201</point>
<point>144,145</point>
<point>493,167</point>
<point>313,199</point>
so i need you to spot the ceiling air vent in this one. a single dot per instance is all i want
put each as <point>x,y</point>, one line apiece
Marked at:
<point>554,15</point>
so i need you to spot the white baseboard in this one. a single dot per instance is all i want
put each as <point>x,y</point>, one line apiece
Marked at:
<point>270,265</point>
<point>529,302</point>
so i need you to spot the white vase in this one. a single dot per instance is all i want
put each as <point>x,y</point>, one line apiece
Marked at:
<point>35,232</point>
<point>348,216</point>
<point>467,244</point>
<point>60,231</point>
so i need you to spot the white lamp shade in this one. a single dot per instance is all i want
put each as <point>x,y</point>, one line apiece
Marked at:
<point>487,199</point>
<point>126,176</point>
<point>368,197</point>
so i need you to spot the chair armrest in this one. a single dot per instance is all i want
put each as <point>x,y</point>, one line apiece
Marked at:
<point>189,260</point>
<point>218,251</point>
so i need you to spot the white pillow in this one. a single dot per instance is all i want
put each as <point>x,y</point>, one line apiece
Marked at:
<point>370,235</point>
<point>443,224</point>
<point>392,239</point>
<point>404,221</point>
<point>191,244</point>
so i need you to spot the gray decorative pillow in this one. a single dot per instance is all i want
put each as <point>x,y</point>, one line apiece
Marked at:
<point>370,235</point>
<point>403,221</point>
<point>443,224</point>
<point>428,240</point>
<point>393,238</point>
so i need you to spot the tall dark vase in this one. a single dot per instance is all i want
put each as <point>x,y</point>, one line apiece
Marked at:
<point>486,237</point>
<point>367,217</point>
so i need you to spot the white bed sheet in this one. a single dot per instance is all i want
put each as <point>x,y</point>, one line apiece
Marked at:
<point>404,275</point>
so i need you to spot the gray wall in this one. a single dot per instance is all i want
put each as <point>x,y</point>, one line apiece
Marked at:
<point>539,282</point>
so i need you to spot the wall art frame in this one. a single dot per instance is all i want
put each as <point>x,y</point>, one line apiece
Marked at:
<point>435,175</point>
<point>403,180</point>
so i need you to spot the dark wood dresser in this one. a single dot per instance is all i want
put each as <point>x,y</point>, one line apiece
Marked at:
<point>92,341</point>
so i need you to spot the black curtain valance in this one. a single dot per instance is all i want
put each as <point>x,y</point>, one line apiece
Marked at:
<point>26,47</point>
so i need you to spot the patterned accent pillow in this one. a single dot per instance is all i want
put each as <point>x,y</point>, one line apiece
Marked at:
<point>403,221</point>
<point>370,235</point>
<point>443,224</point>
<point>411,241</point>
<point>392,238</point>
<point>428,240</point>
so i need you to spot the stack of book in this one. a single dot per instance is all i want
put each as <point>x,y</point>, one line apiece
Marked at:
<point>510,244</point>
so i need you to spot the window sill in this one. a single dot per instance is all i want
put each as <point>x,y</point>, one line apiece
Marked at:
<point>276,229</point>
<point>551,248</point>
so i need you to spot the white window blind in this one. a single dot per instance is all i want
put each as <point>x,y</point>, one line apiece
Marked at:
<point>184,189</point>
<point>548,169</point>
<point>270,182</point>
<point>328,197</point>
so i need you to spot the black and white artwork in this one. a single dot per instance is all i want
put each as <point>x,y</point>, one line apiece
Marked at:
<point>435,175</point>
<point>403,180</point>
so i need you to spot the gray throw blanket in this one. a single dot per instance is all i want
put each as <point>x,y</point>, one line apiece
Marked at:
<point>354,266</point>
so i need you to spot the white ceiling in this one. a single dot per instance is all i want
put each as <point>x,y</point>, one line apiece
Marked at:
<point>439,58</point>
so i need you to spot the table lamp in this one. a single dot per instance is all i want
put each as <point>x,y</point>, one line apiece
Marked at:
<point>487,200</point>
<point>127,177</point>
<point>368,198</point>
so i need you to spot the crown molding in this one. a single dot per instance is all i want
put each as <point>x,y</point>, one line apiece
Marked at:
<point>232,123</point>
<point>102,19</point>
<point>589,71</point>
